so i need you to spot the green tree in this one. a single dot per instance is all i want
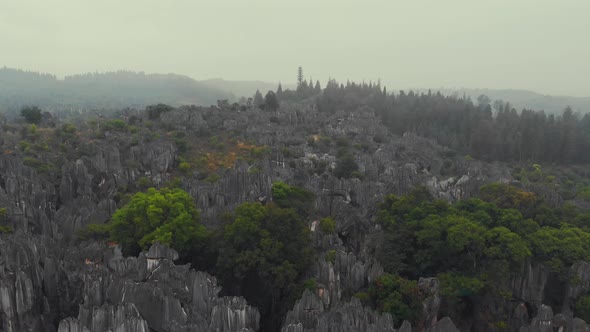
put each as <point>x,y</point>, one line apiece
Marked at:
<point>318,88</point>
<point>459,286</point>
<point>265,250</point>
<point>508,197</point>
<point>258,99</point>
<point>286,196</point>
<point>270,101</point>
<point>168,216</point>
<point>328,225</point>
<point>398,296</point>
<point>345,166</point>
<point>502,244</point>
<point>31,114</point>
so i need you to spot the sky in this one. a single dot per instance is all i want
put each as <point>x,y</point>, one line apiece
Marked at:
<point>539,45</point>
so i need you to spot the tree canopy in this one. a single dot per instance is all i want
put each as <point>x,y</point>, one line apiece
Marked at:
<point>265,250</point>
<point>506,134</point>
<point>168,216</point>
<point>475,245</point>
<point>270,101</point>
<point>32,114</point>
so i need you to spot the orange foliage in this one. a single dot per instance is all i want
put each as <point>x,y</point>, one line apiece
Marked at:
<point>228,158</point>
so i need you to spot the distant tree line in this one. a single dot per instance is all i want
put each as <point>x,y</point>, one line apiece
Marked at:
<point>482,131</point>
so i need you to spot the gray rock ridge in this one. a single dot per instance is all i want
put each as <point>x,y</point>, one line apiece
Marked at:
<point>167,296</point>
<point>431,304</point>
<point>529,284</point>
<point>546,321</point>
<point>322,310</point>
<point>122,317</point>
<point>100,290</point>
<point>443,325</point>
<point>86,189</point>
<point>309,314</point>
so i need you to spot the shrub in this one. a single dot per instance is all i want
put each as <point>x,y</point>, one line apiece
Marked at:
<point>213,178</point>
<point>582,307</point>
<point>116,125</point>
<point>4,228</point>
<point>297,198</point>
<point>331,256</point>
<point>95,232</point>
<point>144,183</point>
<point>184,167</point>
<point>357,175</point>
<point>328,225</point>
<point>38,165</point>
<point>68,128</point>
<point>345,166</point>
<point>31,114</point>
<point>398,296</point>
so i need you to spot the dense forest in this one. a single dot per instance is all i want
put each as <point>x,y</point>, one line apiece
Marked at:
<point>483,131</point>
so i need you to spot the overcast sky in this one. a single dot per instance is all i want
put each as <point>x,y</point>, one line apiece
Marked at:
<point>540,45</point>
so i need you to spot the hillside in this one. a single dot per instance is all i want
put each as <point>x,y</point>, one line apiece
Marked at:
<point>108,91</point>
<point>347,209</point>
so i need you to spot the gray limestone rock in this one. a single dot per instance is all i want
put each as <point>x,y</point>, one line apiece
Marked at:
<point>405,327</point>
<point>543,321</point>
<point>529,285</point>
<point>41,281</point>
<point>431,304</point>
<point>443,325</point>
<point>106,318</point>
<point>578,325</point>
<point>309,314</point>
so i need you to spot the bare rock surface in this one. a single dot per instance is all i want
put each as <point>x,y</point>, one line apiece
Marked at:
<point>100,290</point>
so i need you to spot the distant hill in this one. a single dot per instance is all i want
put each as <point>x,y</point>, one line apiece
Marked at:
<point>121,89</point>
<point>111,90</point>
<point>526,99</point>
<point>243,88</point>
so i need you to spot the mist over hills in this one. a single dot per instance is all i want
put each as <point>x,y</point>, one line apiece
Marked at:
<point>244,88</point>
<point>121,89</point>
<point>111,90</point>
<point>526,99</point>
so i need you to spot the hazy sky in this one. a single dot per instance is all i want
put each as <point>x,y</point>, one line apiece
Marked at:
<point>541,45</point>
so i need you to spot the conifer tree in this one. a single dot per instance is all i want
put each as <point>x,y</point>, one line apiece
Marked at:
<point>258,99</point>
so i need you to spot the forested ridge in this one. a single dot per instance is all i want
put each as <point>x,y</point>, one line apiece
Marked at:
<point>483,131</point>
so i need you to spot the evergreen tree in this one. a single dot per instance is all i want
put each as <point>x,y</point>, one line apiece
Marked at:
<point>258,99</point>
<point>270,101</point>
<point>31,114</point>
<point>318,87</point>
<point>299,77</point>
